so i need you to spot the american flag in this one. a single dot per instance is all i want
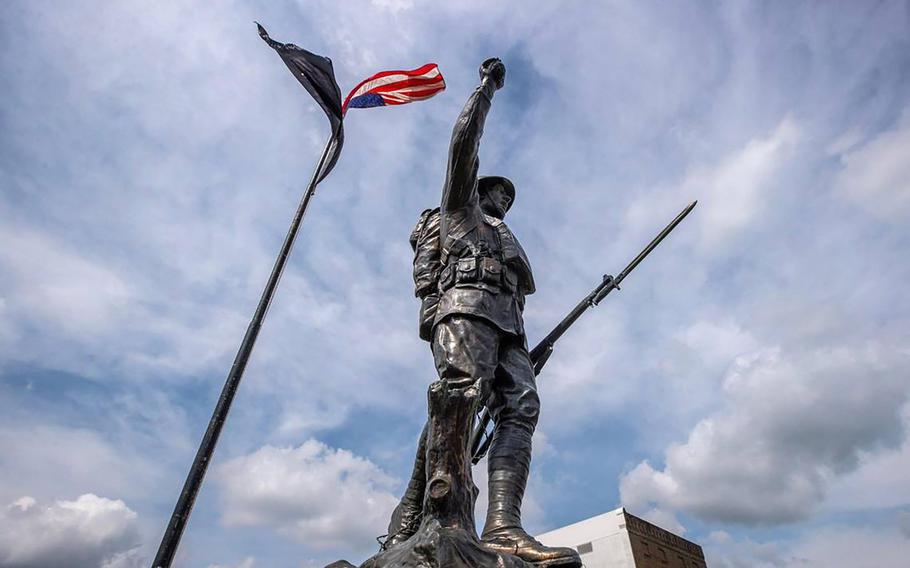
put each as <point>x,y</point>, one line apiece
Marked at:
<point>396,88</point>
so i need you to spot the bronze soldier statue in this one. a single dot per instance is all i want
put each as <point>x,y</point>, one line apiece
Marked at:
<point>472,277</point>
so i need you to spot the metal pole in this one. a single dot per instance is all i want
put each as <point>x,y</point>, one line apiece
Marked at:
<point>171,539</point>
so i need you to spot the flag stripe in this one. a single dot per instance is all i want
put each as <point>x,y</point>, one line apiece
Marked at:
<point>416,95</point>
<point>406,92</point>
<point>389,81</point>
<point>416,88</point>
<point>396,87</point>
<point>429,70</point>
<point>410,83</point>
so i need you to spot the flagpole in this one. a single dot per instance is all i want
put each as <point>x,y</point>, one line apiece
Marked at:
<point>171,539</point>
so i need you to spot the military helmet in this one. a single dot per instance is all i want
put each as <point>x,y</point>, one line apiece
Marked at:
<point>486,182</point>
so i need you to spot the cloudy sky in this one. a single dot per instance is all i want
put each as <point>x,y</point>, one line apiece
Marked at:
<point>748,387</point>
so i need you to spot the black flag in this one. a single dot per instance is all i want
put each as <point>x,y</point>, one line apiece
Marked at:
<point>316,75</point>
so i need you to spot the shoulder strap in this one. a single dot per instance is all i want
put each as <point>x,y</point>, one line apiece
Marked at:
<point>453,238</point>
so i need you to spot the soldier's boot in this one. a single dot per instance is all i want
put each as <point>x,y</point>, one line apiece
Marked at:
<point>407,515</point>
<point>509,461</point>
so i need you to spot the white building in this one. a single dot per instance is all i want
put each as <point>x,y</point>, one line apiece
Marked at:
<point>619,539</point>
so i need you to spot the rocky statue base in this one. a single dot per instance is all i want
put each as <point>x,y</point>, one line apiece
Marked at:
<point>447,537</point>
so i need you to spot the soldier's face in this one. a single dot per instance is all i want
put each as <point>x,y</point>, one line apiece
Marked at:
<point>495,201</point>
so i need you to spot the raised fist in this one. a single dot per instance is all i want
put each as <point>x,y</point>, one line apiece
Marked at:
<point>495,70</point>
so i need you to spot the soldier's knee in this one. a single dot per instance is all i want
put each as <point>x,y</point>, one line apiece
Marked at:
<point>530,407</point>
<point>524,408</point>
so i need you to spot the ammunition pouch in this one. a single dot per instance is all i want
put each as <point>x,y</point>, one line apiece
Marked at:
<point>478,271</point>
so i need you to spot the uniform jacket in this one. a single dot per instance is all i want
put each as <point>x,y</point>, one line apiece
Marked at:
<point>471,261</point>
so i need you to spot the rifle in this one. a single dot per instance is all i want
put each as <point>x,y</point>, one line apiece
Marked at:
<point>483,435</point>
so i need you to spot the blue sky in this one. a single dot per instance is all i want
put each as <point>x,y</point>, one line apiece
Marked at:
<point>748,386</point>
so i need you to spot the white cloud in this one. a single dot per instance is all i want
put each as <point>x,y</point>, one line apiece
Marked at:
<point>735,192</point>
<point>904,523</point>
<point>248,562</point>
<point>791,423</point>
<point>581,369</point>
<point>60,301</point>
<point>717,340</point>
<point>745,553</point>
<point>867,547</point>
<point>90,532</point>
<point>876,175</point>
<point>32,459</point>
<point>324,497</point>
<point>880,481</point>
<point>60,286</point>
<point>719,537</point>
<point>393,6</point>
<point>664,519</point>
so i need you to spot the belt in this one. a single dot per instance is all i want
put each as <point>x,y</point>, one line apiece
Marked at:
<point>478,270</point>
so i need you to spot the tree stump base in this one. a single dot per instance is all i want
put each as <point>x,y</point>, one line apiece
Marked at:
<point>447,537</point>
<point>435,546</point>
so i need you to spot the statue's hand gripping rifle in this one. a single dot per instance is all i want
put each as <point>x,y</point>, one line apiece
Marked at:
<point>483,434</point>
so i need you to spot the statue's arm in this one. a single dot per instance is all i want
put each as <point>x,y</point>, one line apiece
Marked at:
<point>461,176</point>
